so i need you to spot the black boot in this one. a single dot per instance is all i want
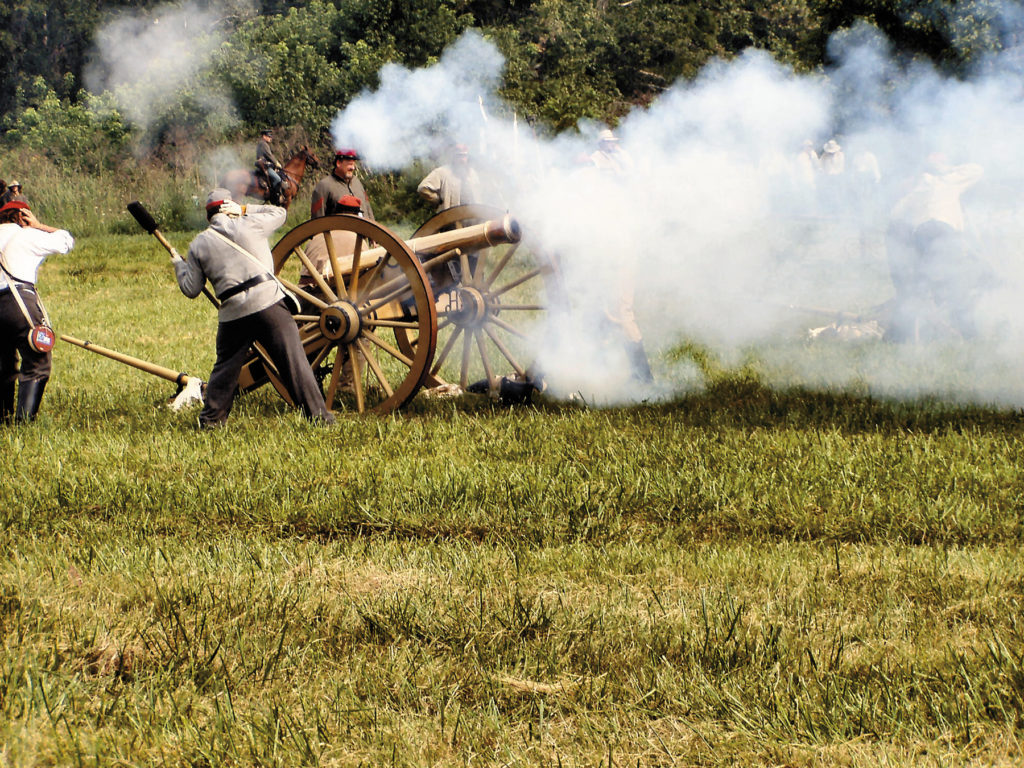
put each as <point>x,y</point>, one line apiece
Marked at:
<point>6,401</point>
<point>30,395</point>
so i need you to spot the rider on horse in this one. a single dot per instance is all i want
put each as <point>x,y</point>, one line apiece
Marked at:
<point>267,165</point>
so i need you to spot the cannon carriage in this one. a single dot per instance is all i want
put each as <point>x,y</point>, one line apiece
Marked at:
<point>459,303</point>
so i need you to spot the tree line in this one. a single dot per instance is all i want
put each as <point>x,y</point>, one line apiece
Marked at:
<point>295,63</point>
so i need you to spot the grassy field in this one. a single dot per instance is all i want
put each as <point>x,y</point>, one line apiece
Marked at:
<point>745,575</point>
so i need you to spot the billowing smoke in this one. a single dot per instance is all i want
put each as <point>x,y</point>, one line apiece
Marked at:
<point>144,58</point>
<point>717,234</point>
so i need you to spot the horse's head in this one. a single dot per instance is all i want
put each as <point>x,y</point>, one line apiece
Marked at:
<point>311,159</point>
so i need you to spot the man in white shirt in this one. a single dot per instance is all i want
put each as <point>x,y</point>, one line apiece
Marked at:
<point>931,271</point>
<point>24,243</point>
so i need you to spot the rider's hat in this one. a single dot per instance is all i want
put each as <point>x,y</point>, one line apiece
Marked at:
<point>267,132</point>
<point>346,154</point>
<point>14,184</point>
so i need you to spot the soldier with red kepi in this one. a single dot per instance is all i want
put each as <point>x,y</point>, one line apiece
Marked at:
<point>24,243</point>
<point>340,182</point>
<point>233,253</point>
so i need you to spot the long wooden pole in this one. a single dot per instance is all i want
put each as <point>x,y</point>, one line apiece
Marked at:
<point>178,377</point>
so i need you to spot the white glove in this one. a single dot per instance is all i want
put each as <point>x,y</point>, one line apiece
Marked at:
<point>231,208</point>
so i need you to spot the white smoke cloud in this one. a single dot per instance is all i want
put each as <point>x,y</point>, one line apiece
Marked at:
<point>724,242</point>
<point>145,57</point>
<point>401,120</point>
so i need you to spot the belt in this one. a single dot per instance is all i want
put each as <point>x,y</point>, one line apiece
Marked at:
<point>234,290</point>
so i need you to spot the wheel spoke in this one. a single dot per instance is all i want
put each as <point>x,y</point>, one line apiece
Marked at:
<point>502,324</point>
<point>482,346</point>
<point>373,322</point>
<point>372,276</point>
<point>332,257</point>
<point>448,347</point>
<point>357,379</point>
<point>271,371</point>
<point>521,307</point>
<point>505,353</point>
<point>375,367</point>
<point>467,347</point>
<point>519,281</point>
<point>481,263</point>
<point>388,348</point>
<point>314,273</point>
<point>393,296</point>
<point>464,266</point>
<point>314,300</point>
<point>353,286</point>
<point>336,371</point>
<point>505,257</point>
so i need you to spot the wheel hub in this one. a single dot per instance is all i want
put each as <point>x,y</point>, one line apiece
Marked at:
<point>340,322</point>
<point>471,306</point>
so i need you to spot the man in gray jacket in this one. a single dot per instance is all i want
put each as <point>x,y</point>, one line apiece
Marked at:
<point>234,255</point>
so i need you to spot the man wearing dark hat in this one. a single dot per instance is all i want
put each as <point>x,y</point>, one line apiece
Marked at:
<point>267,163</point>
<point>24,243</point>
<point>456,183</point>
<point>233,253</point>
<point>340,182</point>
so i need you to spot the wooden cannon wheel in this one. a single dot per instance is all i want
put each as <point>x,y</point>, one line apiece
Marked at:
<point>488,302</point>
<point>375,284</point>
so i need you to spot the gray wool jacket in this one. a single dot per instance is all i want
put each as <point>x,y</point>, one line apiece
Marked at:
<point>210,258</point>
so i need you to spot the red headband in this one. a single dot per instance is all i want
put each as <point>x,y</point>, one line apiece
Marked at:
<point>15,204</point>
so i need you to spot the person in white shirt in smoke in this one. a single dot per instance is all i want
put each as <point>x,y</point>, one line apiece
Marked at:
<point>934,277</point>
<point>456,183</point>
<point>609,156</point>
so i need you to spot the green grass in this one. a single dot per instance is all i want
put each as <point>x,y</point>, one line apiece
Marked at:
<point>759,573</point>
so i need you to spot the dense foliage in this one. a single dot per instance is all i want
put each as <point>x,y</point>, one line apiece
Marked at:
<point>294,63</point>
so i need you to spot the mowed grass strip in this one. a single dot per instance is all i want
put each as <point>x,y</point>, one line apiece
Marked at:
<point>742,575</point>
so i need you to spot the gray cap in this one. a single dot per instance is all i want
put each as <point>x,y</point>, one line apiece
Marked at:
<point>215,200</point>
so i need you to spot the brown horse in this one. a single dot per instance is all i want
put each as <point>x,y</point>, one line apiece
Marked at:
<point>241,182</point>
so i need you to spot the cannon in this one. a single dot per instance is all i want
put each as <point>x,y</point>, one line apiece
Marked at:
<point>381,317</point>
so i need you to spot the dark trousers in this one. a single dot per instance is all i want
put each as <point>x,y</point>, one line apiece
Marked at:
<point>34,369</point>
<point>14,330</point>
<point>276,331</point>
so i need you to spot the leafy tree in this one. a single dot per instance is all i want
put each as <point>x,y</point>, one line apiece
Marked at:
<point>89,135</point>
<point>283,70</point>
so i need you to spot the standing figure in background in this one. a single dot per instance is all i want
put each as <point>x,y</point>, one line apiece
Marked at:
<point>233,253</point>
<point>808,165</point>
<point>610,159</point>
<point>24,243</point>
<point>833,161</point>
<point>832,185</point>
<point>454,184</point>
<point>342,181</point>
<point>935,279</point>
<point>13,194</point>
<point>268,164</point>
<point>609,156</point>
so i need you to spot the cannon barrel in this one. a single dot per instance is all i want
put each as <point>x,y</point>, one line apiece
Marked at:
<point>488,233</point>
<point>495,232</point>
